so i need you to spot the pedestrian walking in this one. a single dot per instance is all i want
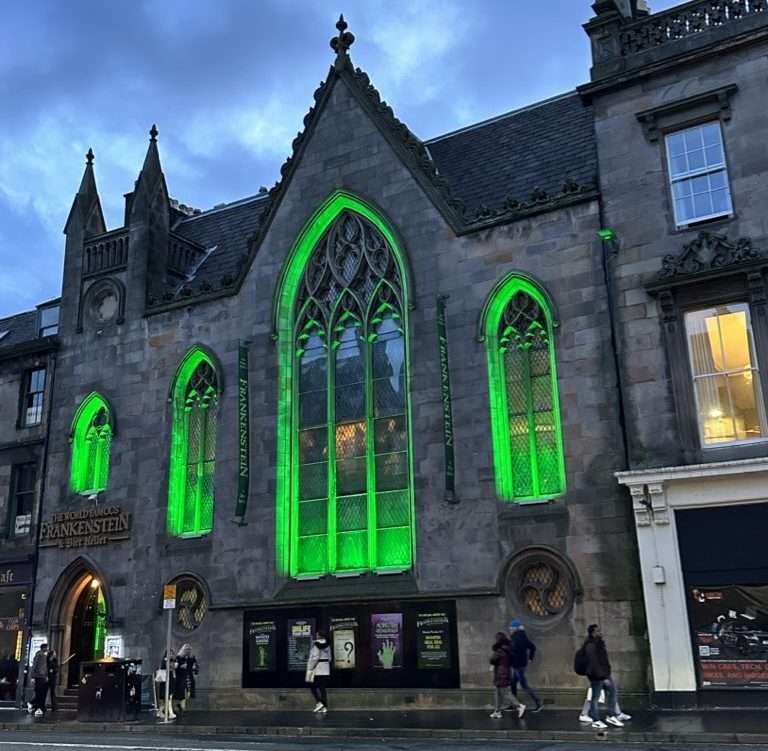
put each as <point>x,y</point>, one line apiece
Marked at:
<point>40,681</point>
<point>186,669</point>
<point>592,661</point>
<point>319,671</point>
<point>501,660</point>
<point>53,676</point>
<point>522,652</point>
<point>162,675</point>
<point>584,716</point>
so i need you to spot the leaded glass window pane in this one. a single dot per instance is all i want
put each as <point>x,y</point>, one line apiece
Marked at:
<point>91,446</point>
<point>351,406</point>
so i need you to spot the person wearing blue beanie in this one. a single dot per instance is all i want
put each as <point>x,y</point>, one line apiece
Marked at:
<point>522,652</point>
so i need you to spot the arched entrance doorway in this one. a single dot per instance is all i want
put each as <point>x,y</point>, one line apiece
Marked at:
<point>88,628</point>
<point>78,613</point>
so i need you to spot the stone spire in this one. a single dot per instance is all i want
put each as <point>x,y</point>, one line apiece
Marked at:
<point>340,44</point>
<point>86,208</point>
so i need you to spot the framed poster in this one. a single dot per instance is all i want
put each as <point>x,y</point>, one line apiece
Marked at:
<point>262,646</point>
<point>344,633</point>
<point>387,640</point>
<point>114,645</point>
<point>730,636</point>
<point>301,631</point>
<point>433,640</point>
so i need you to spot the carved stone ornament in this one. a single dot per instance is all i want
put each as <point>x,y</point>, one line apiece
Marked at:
<point>708,252</point>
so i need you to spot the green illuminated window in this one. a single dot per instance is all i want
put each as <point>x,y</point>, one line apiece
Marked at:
<point>193,446</point>
<point>92,431</point>
<point>522,376</point>
<point>350,481</point>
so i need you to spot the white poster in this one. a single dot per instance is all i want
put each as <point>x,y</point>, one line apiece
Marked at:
<point>344,649</point>
<point>113,645</point>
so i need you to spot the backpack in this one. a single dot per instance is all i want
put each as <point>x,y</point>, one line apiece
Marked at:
<point>581,661</point>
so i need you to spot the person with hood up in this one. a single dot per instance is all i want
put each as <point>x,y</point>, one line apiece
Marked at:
<point>319,671</point>
<point>598,671</point>
<point>501,658</point>
<point>522,652</point>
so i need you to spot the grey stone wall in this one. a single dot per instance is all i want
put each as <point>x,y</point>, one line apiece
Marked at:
<point>458,548</point>
<point>638,207</point>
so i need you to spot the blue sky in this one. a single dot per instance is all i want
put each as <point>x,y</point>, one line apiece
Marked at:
<point>228,83</point>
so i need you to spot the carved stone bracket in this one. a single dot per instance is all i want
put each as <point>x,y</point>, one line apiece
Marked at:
<point>659,507</point>
<point>640,505</point>
<point>649,502</point>
<point>757,292</point>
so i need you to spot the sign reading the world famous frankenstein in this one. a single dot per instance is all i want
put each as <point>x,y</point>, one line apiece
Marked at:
<point>93,526</point>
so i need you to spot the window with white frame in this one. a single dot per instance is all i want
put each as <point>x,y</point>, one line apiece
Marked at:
<point>698,174</point>
<point>725,374</point>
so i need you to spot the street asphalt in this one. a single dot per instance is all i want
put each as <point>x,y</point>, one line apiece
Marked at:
<point>29,741</point>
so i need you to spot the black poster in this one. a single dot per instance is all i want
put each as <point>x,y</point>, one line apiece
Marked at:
<point>445,393</point>
<point>730,636</point>
<point>433,638</point>
<point>243,434</point>
<point>301,631</point>
<point>262,648</point>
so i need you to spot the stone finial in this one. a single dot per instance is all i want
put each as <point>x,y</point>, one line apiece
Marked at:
<point>153,131</point>
<point>340,44</point>
<point>89,157</point>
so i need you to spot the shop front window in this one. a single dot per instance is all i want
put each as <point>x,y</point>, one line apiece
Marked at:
<point>12,607</point>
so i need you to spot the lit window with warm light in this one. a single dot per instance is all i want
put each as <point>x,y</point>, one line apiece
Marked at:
<point>725,375</point>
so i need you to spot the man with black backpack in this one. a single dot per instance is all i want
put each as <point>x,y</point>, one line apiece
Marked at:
<point>592,661</point>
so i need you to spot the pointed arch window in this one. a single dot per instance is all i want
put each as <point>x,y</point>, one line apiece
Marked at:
<point>350,504</point>
<point>195,406</point>
<point>525,407</point>
<point>92,430</point>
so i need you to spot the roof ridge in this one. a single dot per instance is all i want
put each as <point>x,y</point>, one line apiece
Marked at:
<point>503,116</point>
<point>225,207</point>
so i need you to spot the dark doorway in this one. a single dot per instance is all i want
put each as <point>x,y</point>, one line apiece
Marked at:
<point>89,622</point>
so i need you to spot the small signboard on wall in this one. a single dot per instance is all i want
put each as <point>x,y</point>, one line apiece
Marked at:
<point>114,646</point>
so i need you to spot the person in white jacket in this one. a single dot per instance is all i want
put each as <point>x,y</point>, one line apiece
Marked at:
<point>319,671</point>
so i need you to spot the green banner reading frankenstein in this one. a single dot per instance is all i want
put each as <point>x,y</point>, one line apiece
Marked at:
<point>445,390</point>
<point>243,463</point>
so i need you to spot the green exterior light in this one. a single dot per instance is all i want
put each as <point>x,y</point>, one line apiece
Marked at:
<point>92,429</point>
<point>606,235</point>
<point>344,447</point>
<point>518,330</point>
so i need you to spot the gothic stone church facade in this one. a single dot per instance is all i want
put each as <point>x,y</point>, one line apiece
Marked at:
<point>381,399</point>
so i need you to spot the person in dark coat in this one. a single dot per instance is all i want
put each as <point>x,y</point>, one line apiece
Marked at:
<point>8,673</point>
<point>522,652</point>
<point>599,676</point>
<point>40,679</point>
<point>53,676</point>
<point>501,658</point>
<point>184,676</point>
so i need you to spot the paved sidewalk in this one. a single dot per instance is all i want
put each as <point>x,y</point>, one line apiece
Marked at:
<point>724,726</point>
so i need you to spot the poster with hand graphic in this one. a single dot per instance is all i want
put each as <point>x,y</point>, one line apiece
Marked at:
<point>262,648</point>
<point>387,640</point>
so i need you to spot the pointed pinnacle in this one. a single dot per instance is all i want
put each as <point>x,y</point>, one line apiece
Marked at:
<point>340,44</point>
<point>153,131</point>
<point>341,24</point>
<point>89,157</point>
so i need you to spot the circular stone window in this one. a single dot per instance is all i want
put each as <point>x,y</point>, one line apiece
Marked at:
<point>541,585</point>
<point>191,604</point>
<point>103,303</point>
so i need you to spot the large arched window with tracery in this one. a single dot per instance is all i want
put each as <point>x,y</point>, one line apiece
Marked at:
<point>518,329</point>
<point>92,430</point>
<point>195,404</point>
<point>350,503</point>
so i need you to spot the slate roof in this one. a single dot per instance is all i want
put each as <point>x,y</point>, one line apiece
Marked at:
<point>224,231</point>
<point>21,328</point>
<point>537,147</point>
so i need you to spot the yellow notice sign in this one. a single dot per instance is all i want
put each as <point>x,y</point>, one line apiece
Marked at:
<point>169,597</point>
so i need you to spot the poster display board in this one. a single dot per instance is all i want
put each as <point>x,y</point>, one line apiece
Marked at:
<point>387,640</point>
<point>301,631</point>
<point>344,643</point>
<point>730,636</point>
<point>262,646</point>
<point>433,640</point>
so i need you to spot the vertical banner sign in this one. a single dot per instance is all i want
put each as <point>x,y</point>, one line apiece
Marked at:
<point>243,428</point>
<point>445,392</point>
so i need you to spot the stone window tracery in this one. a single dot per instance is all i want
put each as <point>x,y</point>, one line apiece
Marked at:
<point>92,432</point>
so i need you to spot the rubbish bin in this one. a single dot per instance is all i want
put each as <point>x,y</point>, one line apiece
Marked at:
<point>104,691</point>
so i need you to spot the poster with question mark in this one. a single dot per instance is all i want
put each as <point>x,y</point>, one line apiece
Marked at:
<point>344,649</point>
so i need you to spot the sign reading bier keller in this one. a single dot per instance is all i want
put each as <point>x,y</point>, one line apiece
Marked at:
<point>85,528</point>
